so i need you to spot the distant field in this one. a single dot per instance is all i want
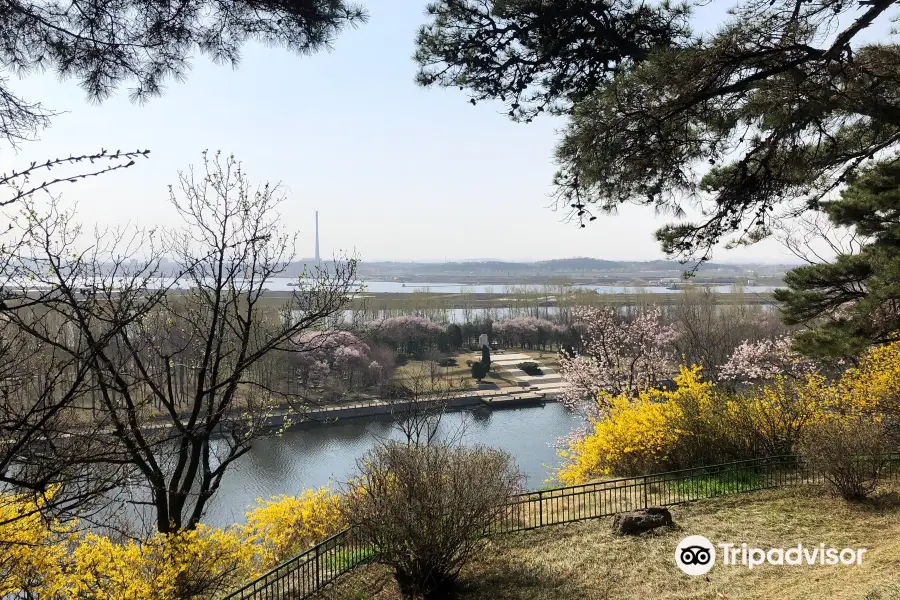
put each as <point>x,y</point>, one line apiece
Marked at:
<point>482,301</point>
<point>395,301</point>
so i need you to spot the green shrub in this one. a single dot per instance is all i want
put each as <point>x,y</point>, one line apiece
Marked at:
<point>530,368</point>
<point>447,362</point>
<point>479,371</point>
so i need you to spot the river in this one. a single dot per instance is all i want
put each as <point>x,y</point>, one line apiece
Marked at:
<point>286,284</point>
<point>312,456</point>
<point>394,287</point>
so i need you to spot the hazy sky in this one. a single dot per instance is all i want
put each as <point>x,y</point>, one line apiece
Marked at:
<point>395,171</point>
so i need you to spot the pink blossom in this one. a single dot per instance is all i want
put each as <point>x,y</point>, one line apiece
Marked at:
<point>618,355</point>
<point>766,359</point>
<point>405,324</point>
<point>346,354</point>
<point>522,330</point>
<point>327,342</point>
<point>322,353</point>
<point>408,333</point>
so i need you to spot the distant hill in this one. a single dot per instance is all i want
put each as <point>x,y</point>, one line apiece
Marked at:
<point>579,268</point>
<point>544,267</point>
<point>597,264</point>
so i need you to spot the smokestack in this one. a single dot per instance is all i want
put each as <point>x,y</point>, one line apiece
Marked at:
<point>317,238</point>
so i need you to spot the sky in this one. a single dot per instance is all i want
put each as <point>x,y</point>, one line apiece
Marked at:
<point>397,172</point>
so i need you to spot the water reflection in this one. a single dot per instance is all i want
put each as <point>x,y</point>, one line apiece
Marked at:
<point>311,456</point>
<point>284,284</point>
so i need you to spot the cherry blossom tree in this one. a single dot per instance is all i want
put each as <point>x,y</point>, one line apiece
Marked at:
<point>527,331</point>
<point>767,359</point>
<point>618,356</point>
<point>335,353</point>
<point>411,335</point>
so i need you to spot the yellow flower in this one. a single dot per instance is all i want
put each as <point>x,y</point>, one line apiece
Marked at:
<point>47,560</point>
<point>643,434</point>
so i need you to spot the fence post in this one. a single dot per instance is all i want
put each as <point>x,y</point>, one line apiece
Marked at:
<point>318,572</point>
<point>646,504</point>
<point>541,508</point>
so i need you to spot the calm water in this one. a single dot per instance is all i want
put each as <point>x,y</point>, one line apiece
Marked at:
<point>396,287</point>
<point>457,288</point>
<point>314,456</point>
<point>284,284</point>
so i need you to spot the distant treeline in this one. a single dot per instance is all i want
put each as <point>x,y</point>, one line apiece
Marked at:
<point>373,270</point>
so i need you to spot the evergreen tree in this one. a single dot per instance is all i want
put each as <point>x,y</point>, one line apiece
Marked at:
<point>855,300</point>
<point>775,108</point>
<point>104,43</point>
<point>479,371</point>
<point>486,357</point>
<point>455,336</point>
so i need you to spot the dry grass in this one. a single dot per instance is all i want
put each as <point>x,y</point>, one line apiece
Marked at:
<point>458,377</point>
<point>453,377</point>
<point>585,561</point>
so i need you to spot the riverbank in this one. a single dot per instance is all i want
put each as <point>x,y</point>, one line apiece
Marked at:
<point>519,390</point>
<point>485,398</point>
<point>524,390</point>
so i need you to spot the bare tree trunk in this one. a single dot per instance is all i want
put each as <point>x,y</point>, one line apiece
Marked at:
<point>187,360</point>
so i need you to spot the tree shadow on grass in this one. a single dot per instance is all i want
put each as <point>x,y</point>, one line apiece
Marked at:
<point>887,501</point>
<point>520,581</point>
<point>370,582</point>
<point>487,582</point>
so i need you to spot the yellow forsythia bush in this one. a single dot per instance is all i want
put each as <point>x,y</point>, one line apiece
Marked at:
<point>45,560</point>
<point>288,525</point>
<point>633,438</point>
<point>873,387</point>
<point>766,420</point>
<point>32,551</point>
<point>698,423</point>
<point>635,435</point>
<point>202,562</point>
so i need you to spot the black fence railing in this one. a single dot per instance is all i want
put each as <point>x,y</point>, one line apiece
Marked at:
<point>304,575</point>
<point>307,573</point>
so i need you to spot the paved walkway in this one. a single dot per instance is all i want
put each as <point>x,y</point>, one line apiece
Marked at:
<point>547,386</point>
<point>549,382</point>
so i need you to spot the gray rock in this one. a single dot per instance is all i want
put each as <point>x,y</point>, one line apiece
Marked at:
<point>639,521</point>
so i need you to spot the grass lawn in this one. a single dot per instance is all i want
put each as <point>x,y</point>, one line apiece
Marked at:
<point>461,374</point>
<point>418,367</point>
<point>585,561</point>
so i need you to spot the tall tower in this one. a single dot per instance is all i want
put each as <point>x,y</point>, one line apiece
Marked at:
<point>317,238</point>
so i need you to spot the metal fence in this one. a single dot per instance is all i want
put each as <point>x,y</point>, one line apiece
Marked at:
<point>304,575</point>
<point>607,498</point>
